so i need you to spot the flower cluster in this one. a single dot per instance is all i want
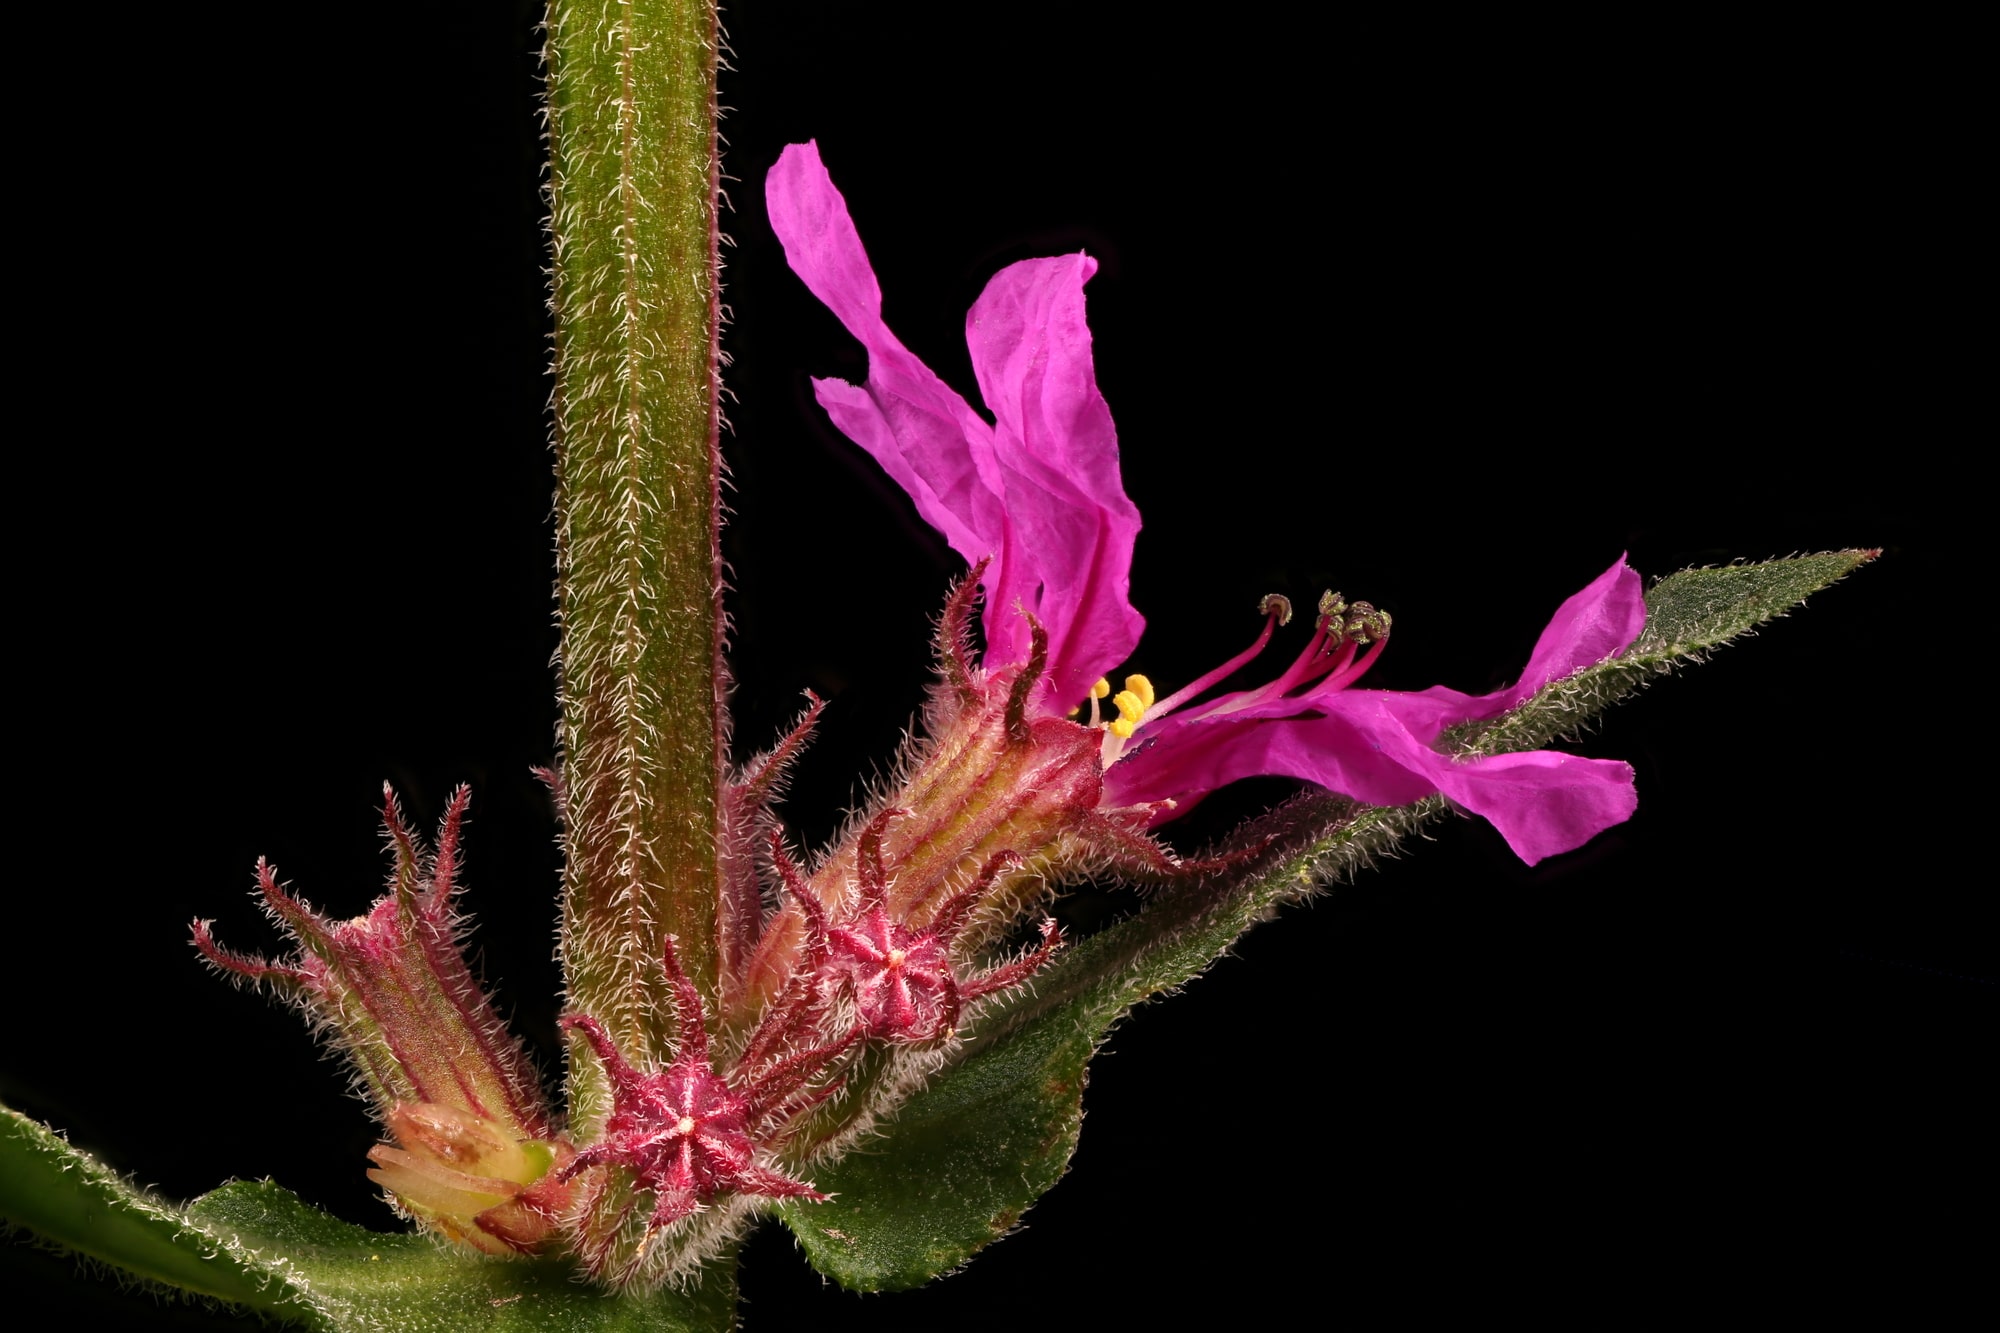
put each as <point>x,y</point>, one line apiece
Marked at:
<point>843,981</point>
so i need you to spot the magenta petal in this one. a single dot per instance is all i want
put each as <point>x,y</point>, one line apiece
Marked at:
<point>924,435</point>
<point>1039,492</point>
<point>1376,746</point>
<point>811,220</point>
<point>1600,621</point>
<point>918,449</point>
<point>1185,760</point>
<point>1070,555</point>
<point>1030,350</point>
<point>1543,801</point>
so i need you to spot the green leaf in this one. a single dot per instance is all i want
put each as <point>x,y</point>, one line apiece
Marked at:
<point>963,1158</point>
<point>72,1200</point>
<point>349,1278</point>
<point>960,1164</point>
<point>255,1244</point>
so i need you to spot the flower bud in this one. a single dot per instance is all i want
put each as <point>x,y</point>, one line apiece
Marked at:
<point>466,1177</point>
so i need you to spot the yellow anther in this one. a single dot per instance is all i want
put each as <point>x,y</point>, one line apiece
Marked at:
<point>1100,689</point>
<point>1074,711</point>
<point>1276,604</point>
<point>1123,727</point>
<point>1142,687</point>
<point>1130,706</point>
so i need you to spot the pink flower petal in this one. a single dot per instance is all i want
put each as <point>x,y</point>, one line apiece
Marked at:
<point>924,435</point>
<point>1074,526</point>
<point>1182,760</point>
<point>1030,350</point>
<point>1039,491</point>
<point>1379,746</point>
<point>1599,622</point>
<point>1543,801</point>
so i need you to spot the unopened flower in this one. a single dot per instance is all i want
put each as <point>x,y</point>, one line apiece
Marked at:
<point>475,1141</point>
<point>688,1134</point>
<point>1034,499</point>
<point>472,1179</point>
<point>903,981</point>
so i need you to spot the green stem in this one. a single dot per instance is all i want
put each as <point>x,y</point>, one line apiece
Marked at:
<point>631,100</point>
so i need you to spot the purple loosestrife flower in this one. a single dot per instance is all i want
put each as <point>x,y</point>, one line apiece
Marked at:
<point>1035,501</point>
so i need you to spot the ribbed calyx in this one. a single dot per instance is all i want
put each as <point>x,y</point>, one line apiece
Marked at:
<point>474,1137</point>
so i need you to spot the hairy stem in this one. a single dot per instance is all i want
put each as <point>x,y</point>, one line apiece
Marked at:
<point>631,114</point>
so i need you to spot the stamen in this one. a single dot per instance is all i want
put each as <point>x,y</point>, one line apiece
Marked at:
<point>1365,624</point>
<point>1330,658</point>
<point>1360,668</point>
<point>1342,628</point>
<point>1142,687</point>
<point>1304,667</point>
<point>1276,610</point>
<point>1132,702</point>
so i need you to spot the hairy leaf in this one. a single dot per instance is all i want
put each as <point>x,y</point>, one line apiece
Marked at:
<point>345,1277</point>
<point>255,1244</point>
<point>70,1199</point>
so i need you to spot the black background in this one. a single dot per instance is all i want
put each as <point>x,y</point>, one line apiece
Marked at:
<point>1442,317</point>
